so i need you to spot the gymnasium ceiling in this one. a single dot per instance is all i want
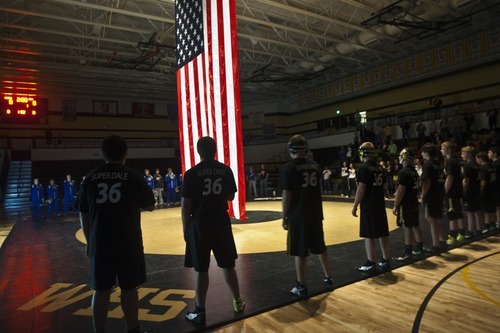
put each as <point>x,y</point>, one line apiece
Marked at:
<point>123,48</point>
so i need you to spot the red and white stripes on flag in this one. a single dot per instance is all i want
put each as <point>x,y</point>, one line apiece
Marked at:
<point>208,91</point>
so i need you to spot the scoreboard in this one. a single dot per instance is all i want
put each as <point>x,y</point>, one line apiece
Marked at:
<point>23,109</point>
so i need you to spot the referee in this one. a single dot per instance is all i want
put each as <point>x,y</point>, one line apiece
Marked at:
<point>111,198</point>
<point>207,188</point>
<point>303,212</point>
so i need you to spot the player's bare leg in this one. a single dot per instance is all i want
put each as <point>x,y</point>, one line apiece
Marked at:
<point>408,235</point>
<point>201,282</point>
<point>325,264</point>
<point>435,231</point>
<point>231,278</point>
<point>300,268</point>
<point>471,222</point>
<point>130,307</point>
<point>385,246</point>
<point>100,306</point>
<point>370,247</point>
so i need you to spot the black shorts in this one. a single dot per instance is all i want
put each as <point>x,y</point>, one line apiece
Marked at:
<point>304,237</point>
<point>373,222</point>
<point>434,209</point>
<point>408,217</point>
<point>488,204</point>
<point>473,202</point>
<point>129,269</point>
<point>207,235</point>
<point>454,209</point>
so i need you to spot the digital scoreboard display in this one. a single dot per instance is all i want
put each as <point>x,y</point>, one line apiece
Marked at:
<point>23,109</point>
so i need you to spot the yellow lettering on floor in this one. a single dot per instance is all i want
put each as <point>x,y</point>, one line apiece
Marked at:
<point>56,301</point>
<point>117,313</point>
<point>175,307</point>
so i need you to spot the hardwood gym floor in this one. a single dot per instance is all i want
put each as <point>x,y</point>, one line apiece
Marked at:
<point>455,292</point>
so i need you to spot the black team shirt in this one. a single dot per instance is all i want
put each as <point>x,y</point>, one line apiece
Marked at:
<point>372,175</point>
<point>471,171</point>
<point>433,170</point>
<point>408,177</point>
<point>453,169</point>
<point>208,185</point>
<point>113,196</point>
<point>301,176</point>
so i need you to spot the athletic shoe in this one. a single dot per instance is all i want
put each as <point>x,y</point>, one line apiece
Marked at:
<point>485,230</point>
<point>328,281</point>
<point>385,265</point>
<point>197,316</point>
<point>404,257</point>
<point>469,235</point>
<point>460,238</point>
<point>238,304</point>
<point>451,240</point>
<point>299,290</point>
<point>493,226</point>
<point>498,225</point>
<point>434,249</point>
<point>368,267</point>
<point>417,252</point>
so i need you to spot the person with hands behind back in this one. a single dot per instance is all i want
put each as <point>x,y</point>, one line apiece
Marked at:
<point>303,213</point>
<point>373,220</point>
<point>206,189</point>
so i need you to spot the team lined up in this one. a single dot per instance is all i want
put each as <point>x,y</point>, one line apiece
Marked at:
<point>444,182</point>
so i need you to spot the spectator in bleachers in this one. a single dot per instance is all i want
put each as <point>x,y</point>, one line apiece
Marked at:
<point>37,198</point>
<point>469,120</point>
<point>327,185</point>
<point>352,180</point>
<point>392,149</point>
<point>263,177</point>
<point>348,153</point>
<point>492,139</point>
<point>437,139</point>
<point>433,128</point>
<point>421,129</point>
<point>149,179</point>
<point>405,130</point>
<point>492,118</point>
<point>344,173</point>
<point>418,166</point>
<point>158,190</point>
<point>52,198</point>
<point>477,143</point>
<point>444,128</point>
<point>171,185</point>
<point>252,182</point>
<point>69,194</point>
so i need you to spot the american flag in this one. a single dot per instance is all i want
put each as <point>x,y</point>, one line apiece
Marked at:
<point>208,88</point>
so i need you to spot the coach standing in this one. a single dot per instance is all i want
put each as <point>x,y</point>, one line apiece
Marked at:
<point>110,202</point>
